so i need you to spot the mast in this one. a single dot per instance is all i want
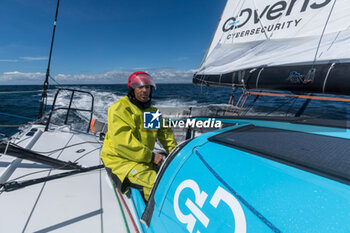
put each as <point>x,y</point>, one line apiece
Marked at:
<point>46,83</point>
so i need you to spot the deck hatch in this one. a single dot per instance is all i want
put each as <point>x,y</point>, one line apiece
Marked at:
<point>320,154</point>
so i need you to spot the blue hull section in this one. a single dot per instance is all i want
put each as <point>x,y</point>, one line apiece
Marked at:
<point>210,187</point>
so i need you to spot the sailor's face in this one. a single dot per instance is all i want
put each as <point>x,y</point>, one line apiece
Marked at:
<point>142,93</point>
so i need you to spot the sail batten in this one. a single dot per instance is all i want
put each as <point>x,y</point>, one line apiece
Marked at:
<point>303,34</point>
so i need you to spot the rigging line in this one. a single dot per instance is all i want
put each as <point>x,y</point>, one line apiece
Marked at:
<point>300,96</point>
<point>19,140</point>
<point>262,26</point>
<point>86,154</point>
<point>303,107</point>
<point>229,103</point>
<point>62,148</point>
<point>233,99</point>
<point>280,106</point>
<point>18,92</point>
<point>65,145</point>
<point>291,106</point>
<point>251,105</point>
<point>234,109</point>
<point>279,18</point>
<point>82,132</point>
<point>54,80</point>
<point>120,206</point>
<point>29,174</point>
<point>128,211</point>
<point>57,83</point>
<point>10,126</point>
<point>17,116</point>
<point>135,210</point>
<point>330,46</point>
<point>321,37</point>
<point>242,105</point>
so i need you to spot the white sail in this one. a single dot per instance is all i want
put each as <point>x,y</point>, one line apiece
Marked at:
<point>256,33</point>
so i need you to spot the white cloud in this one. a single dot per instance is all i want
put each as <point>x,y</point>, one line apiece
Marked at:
<point>173,76</point>
<point>33,58</point>
<point>160,75</point>
<point>25,59</point>
<point>150,69</point>
<point>17,77</point>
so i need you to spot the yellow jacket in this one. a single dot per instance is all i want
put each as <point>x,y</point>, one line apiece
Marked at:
<point>126,142</point>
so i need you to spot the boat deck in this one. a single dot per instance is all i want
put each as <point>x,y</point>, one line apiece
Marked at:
<point>83,202</point>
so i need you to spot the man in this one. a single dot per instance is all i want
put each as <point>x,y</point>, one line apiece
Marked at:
<point>127,149</point>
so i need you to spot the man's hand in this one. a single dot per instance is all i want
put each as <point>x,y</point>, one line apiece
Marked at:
<point>158,159</point>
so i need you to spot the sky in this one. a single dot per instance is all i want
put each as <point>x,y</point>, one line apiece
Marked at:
<point>104,41</point>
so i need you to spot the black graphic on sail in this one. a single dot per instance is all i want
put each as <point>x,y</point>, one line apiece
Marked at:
<point>281,45</point>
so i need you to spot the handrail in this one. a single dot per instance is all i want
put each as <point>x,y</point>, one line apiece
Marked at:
<point>91,110</point>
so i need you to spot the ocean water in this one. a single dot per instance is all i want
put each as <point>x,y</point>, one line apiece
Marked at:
<point>24,101</point>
